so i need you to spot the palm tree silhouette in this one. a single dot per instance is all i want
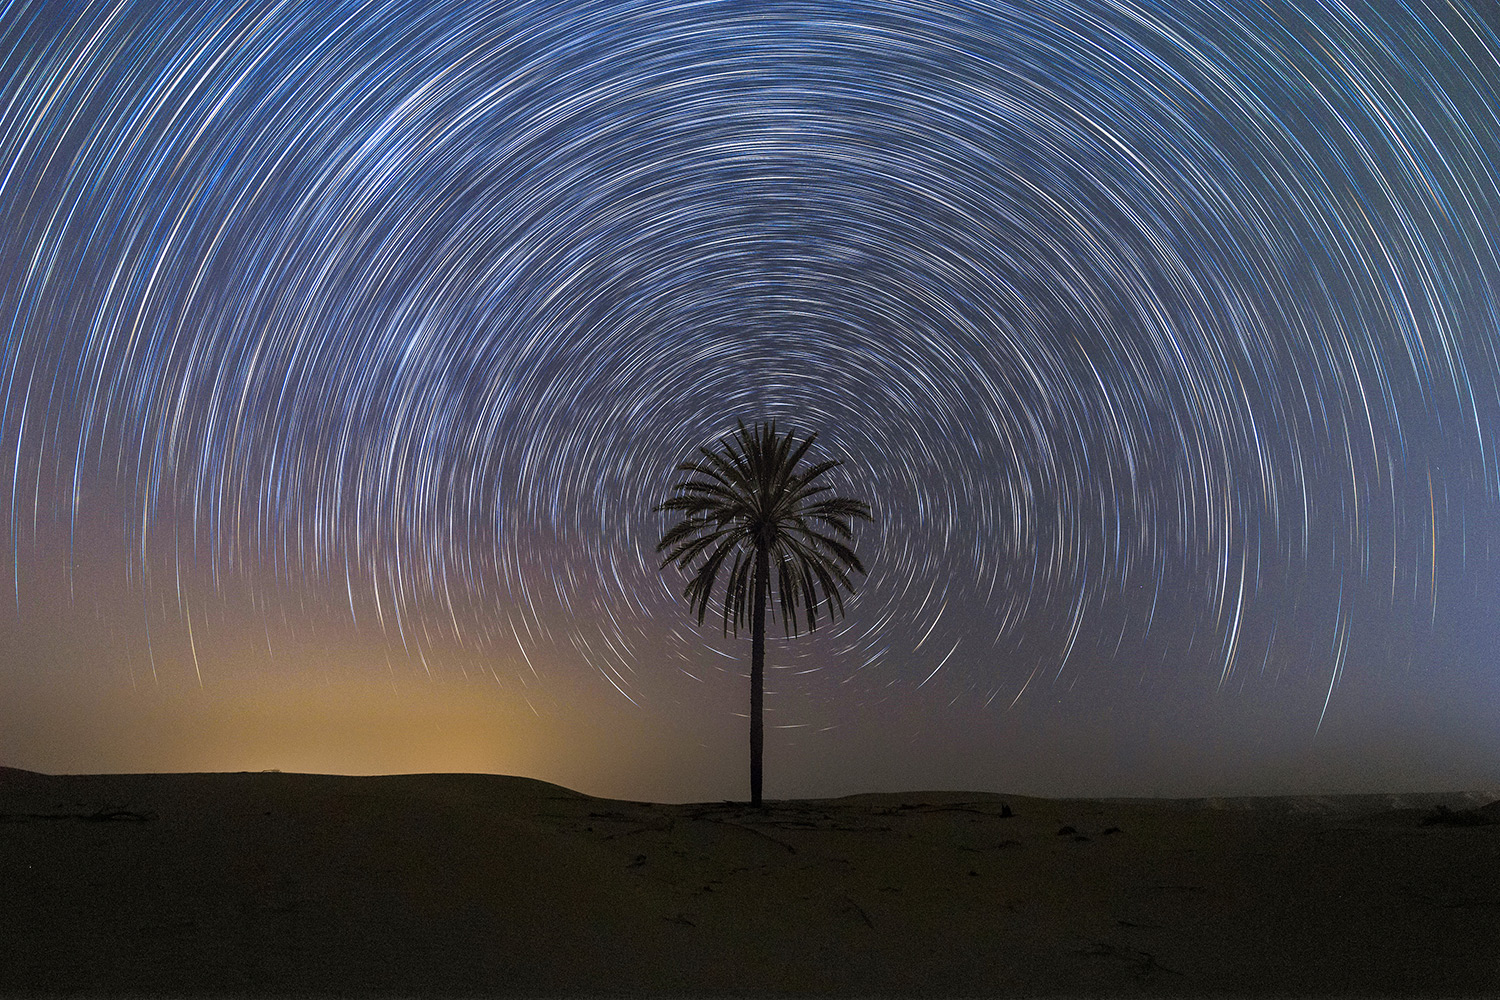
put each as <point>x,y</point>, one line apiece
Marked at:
<point>750,501</point>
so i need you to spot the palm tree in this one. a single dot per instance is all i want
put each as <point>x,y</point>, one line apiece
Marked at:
<point>749,500</point>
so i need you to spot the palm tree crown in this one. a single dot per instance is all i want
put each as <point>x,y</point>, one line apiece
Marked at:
<point>752,498</point>
<point>750,501</point>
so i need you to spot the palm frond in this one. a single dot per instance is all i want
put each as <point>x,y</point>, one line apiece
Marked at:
<point>832,546</point>
<point>752,491</point>
<point>700,588</point>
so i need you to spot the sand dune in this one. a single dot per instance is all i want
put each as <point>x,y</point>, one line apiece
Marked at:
<point>274,884</point>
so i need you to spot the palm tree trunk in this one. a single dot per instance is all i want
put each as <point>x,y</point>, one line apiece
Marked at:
<point>758,670</point>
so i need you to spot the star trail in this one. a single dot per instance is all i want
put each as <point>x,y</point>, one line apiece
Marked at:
<point>363,338</point>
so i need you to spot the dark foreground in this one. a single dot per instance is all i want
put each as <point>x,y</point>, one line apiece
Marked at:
<point>284,884</point>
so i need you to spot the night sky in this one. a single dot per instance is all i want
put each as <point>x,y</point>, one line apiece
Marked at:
<point>347,348</point>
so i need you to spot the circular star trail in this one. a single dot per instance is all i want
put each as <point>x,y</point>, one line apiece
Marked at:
<point>1162,336</point>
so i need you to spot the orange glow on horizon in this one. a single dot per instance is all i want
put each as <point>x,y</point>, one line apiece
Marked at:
<point>346,725</point>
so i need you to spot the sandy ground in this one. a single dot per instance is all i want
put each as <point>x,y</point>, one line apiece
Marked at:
<point>283,884</point>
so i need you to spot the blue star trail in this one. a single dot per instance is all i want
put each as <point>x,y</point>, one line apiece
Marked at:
<point>1162,336</point>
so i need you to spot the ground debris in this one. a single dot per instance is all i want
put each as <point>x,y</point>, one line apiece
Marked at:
<point>1443,816</point>
<point>104,814</point>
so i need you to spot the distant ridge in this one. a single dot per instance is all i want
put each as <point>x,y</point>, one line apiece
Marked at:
<point>1354,802</point>
<point>447,781</point>
<point>450,782</point>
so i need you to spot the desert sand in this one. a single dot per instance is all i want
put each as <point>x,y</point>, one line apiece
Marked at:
<point>269,884</point>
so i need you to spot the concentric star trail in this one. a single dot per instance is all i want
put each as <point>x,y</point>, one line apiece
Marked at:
<point>1163,336</point>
